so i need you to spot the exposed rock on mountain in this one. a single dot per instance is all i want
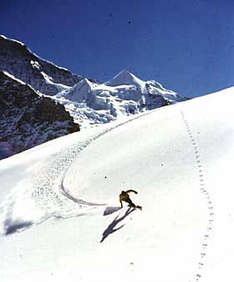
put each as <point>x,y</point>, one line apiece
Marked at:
<point>18,60</point>
<point>28,119</point>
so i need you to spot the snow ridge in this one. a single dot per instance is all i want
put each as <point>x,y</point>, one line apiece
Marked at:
<point>22,63</point>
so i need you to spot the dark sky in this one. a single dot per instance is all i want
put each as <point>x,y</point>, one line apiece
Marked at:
<point>187,45</point>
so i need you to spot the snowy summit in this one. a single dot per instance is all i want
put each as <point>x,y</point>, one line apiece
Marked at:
<point>125,78</point>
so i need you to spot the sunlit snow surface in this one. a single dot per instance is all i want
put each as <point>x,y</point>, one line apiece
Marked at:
<point>60,216</point>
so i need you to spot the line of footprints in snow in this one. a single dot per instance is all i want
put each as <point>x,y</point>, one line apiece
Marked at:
<point>206,194</point>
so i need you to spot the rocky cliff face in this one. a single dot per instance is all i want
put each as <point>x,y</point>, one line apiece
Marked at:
<point>28,119</point>
<point>18,60</point>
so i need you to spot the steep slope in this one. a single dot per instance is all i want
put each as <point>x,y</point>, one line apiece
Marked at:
<point>28,119</point>
<point>18,60</point>
<point>179,161</point>
<point>94,103</point>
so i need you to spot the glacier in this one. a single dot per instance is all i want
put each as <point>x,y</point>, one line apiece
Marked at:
<point>91,103</point>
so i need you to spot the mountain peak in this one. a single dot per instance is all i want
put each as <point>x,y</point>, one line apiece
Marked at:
<point>125,73</point>
<point>125,77</point>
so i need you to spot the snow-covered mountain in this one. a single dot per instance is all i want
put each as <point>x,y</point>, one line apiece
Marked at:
<point>60,214</point>
<point>88,101</point>
<point>19,61</point>
<point>28,119</point>
<point>92,103</point>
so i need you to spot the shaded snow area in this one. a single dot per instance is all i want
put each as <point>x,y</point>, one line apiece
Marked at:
<point>93,103</point>
<point>60,214</point>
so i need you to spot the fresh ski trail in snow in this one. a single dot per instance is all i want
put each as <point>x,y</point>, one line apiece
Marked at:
<point>49,196</point>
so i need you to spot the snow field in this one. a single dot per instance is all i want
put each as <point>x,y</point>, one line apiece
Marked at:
<point>179,159</point>
<point>215,140</point>
<point>145,166</point>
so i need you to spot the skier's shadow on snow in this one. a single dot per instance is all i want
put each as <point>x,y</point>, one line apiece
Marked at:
<point>110,210</point>
<point>111,228</point>
<point>15,226</point>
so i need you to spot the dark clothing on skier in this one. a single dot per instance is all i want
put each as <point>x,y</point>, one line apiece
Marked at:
<point>125,197</point>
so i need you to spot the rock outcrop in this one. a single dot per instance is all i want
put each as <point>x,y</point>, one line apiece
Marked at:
<point>18,60</point>
<point>28,119</point>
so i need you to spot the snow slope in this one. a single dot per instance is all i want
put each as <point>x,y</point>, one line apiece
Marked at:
<point>179,158</point>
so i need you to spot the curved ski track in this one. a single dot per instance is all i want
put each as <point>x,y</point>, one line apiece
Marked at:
<point>49,191</point>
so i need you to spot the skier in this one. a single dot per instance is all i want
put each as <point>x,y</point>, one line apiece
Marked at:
<point>125,197</point>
